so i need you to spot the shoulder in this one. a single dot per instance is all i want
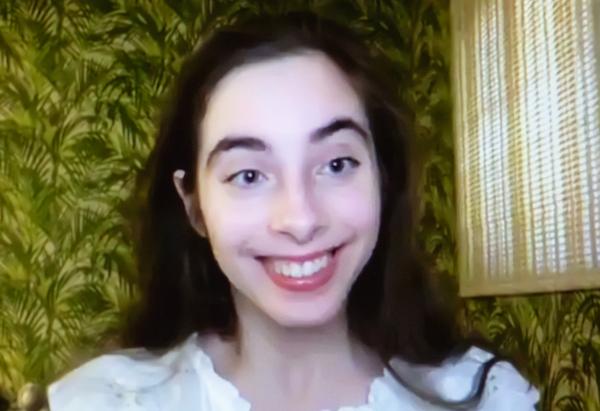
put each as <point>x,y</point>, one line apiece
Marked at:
<point>130,380</point>
<point>505,388</point>
<point>455,379</point>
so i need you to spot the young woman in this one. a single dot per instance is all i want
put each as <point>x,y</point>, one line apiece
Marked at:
<point>277,244</point>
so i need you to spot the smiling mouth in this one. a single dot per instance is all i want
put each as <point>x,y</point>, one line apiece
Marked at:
<point>302,273</point>
<point>302,258</point>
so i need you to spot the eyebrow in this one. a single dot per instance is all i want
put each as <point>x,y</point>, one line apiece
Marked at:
<point>256,144</point>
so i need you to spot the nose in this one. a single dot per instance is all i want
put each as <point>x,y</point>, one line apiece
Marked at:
<point>296,215</point>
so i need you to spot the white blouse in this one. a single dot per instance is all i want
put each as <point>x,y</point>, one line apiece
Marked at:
<point>184,379</point>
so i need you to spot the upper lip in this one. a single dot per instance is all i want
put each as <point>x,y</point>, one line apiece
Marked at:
<point>301,258</point>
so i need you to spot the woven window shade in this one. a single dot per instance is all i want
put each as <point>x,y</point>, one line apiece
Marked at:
<point>527,124</point>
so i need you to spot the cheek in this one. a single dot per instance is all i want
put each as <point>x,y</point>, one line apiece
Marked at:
<point>357,205</point>
<point>361,210</point>
<point>230,221</point>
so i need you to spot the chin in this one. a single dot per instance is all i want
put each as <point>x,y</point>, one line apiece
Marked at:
<point>314,315</point>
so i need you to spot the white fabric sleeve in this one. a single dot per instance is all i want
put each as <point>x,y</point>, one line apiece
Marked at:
<point>507,390</point>
<point>110,382</point>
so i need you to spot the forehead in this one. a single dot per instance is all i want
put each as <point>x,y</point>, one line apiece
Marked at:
<point>280,98</point>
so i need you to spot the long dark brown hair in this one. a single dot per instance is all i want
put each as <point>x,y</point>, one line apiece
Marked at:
<point>394,307</point>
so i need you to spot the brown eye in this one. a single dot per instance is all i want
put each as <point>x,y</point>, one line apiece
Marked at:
<point>245,178</point>
<point>341,164</point>
<point>249,176</point>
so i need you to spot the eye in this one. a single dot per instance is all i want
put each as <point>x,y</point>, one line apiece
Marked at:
<point>245,178</point>
<point>341,165</point>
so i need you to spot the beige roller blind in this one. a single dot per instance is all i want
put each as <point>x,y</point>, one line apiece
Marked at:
<point>527,126</point>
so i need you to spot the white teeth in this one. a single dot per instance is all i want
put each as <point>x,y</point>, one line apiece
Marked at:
<point>308,267</point>
<point>298,270</point>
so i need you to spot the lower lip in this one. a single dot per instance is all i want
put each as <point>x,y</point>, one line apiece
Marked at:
<point>304,284</point>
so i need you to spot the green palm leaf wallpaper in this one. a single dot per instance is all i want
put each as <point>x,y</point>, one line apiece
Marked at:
<point>81,86</point>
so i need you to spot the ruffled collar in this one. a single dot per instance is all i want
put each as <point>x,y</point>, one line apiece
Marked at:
<point>227,396</point>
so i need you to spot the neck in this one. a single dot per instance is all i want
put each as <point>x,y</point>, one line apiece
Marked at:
<point>261,340</point>
<point>301,360</point>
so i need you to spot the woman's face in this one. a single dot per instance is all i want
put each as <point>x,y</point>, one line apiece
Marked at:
<point>288,186</point>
